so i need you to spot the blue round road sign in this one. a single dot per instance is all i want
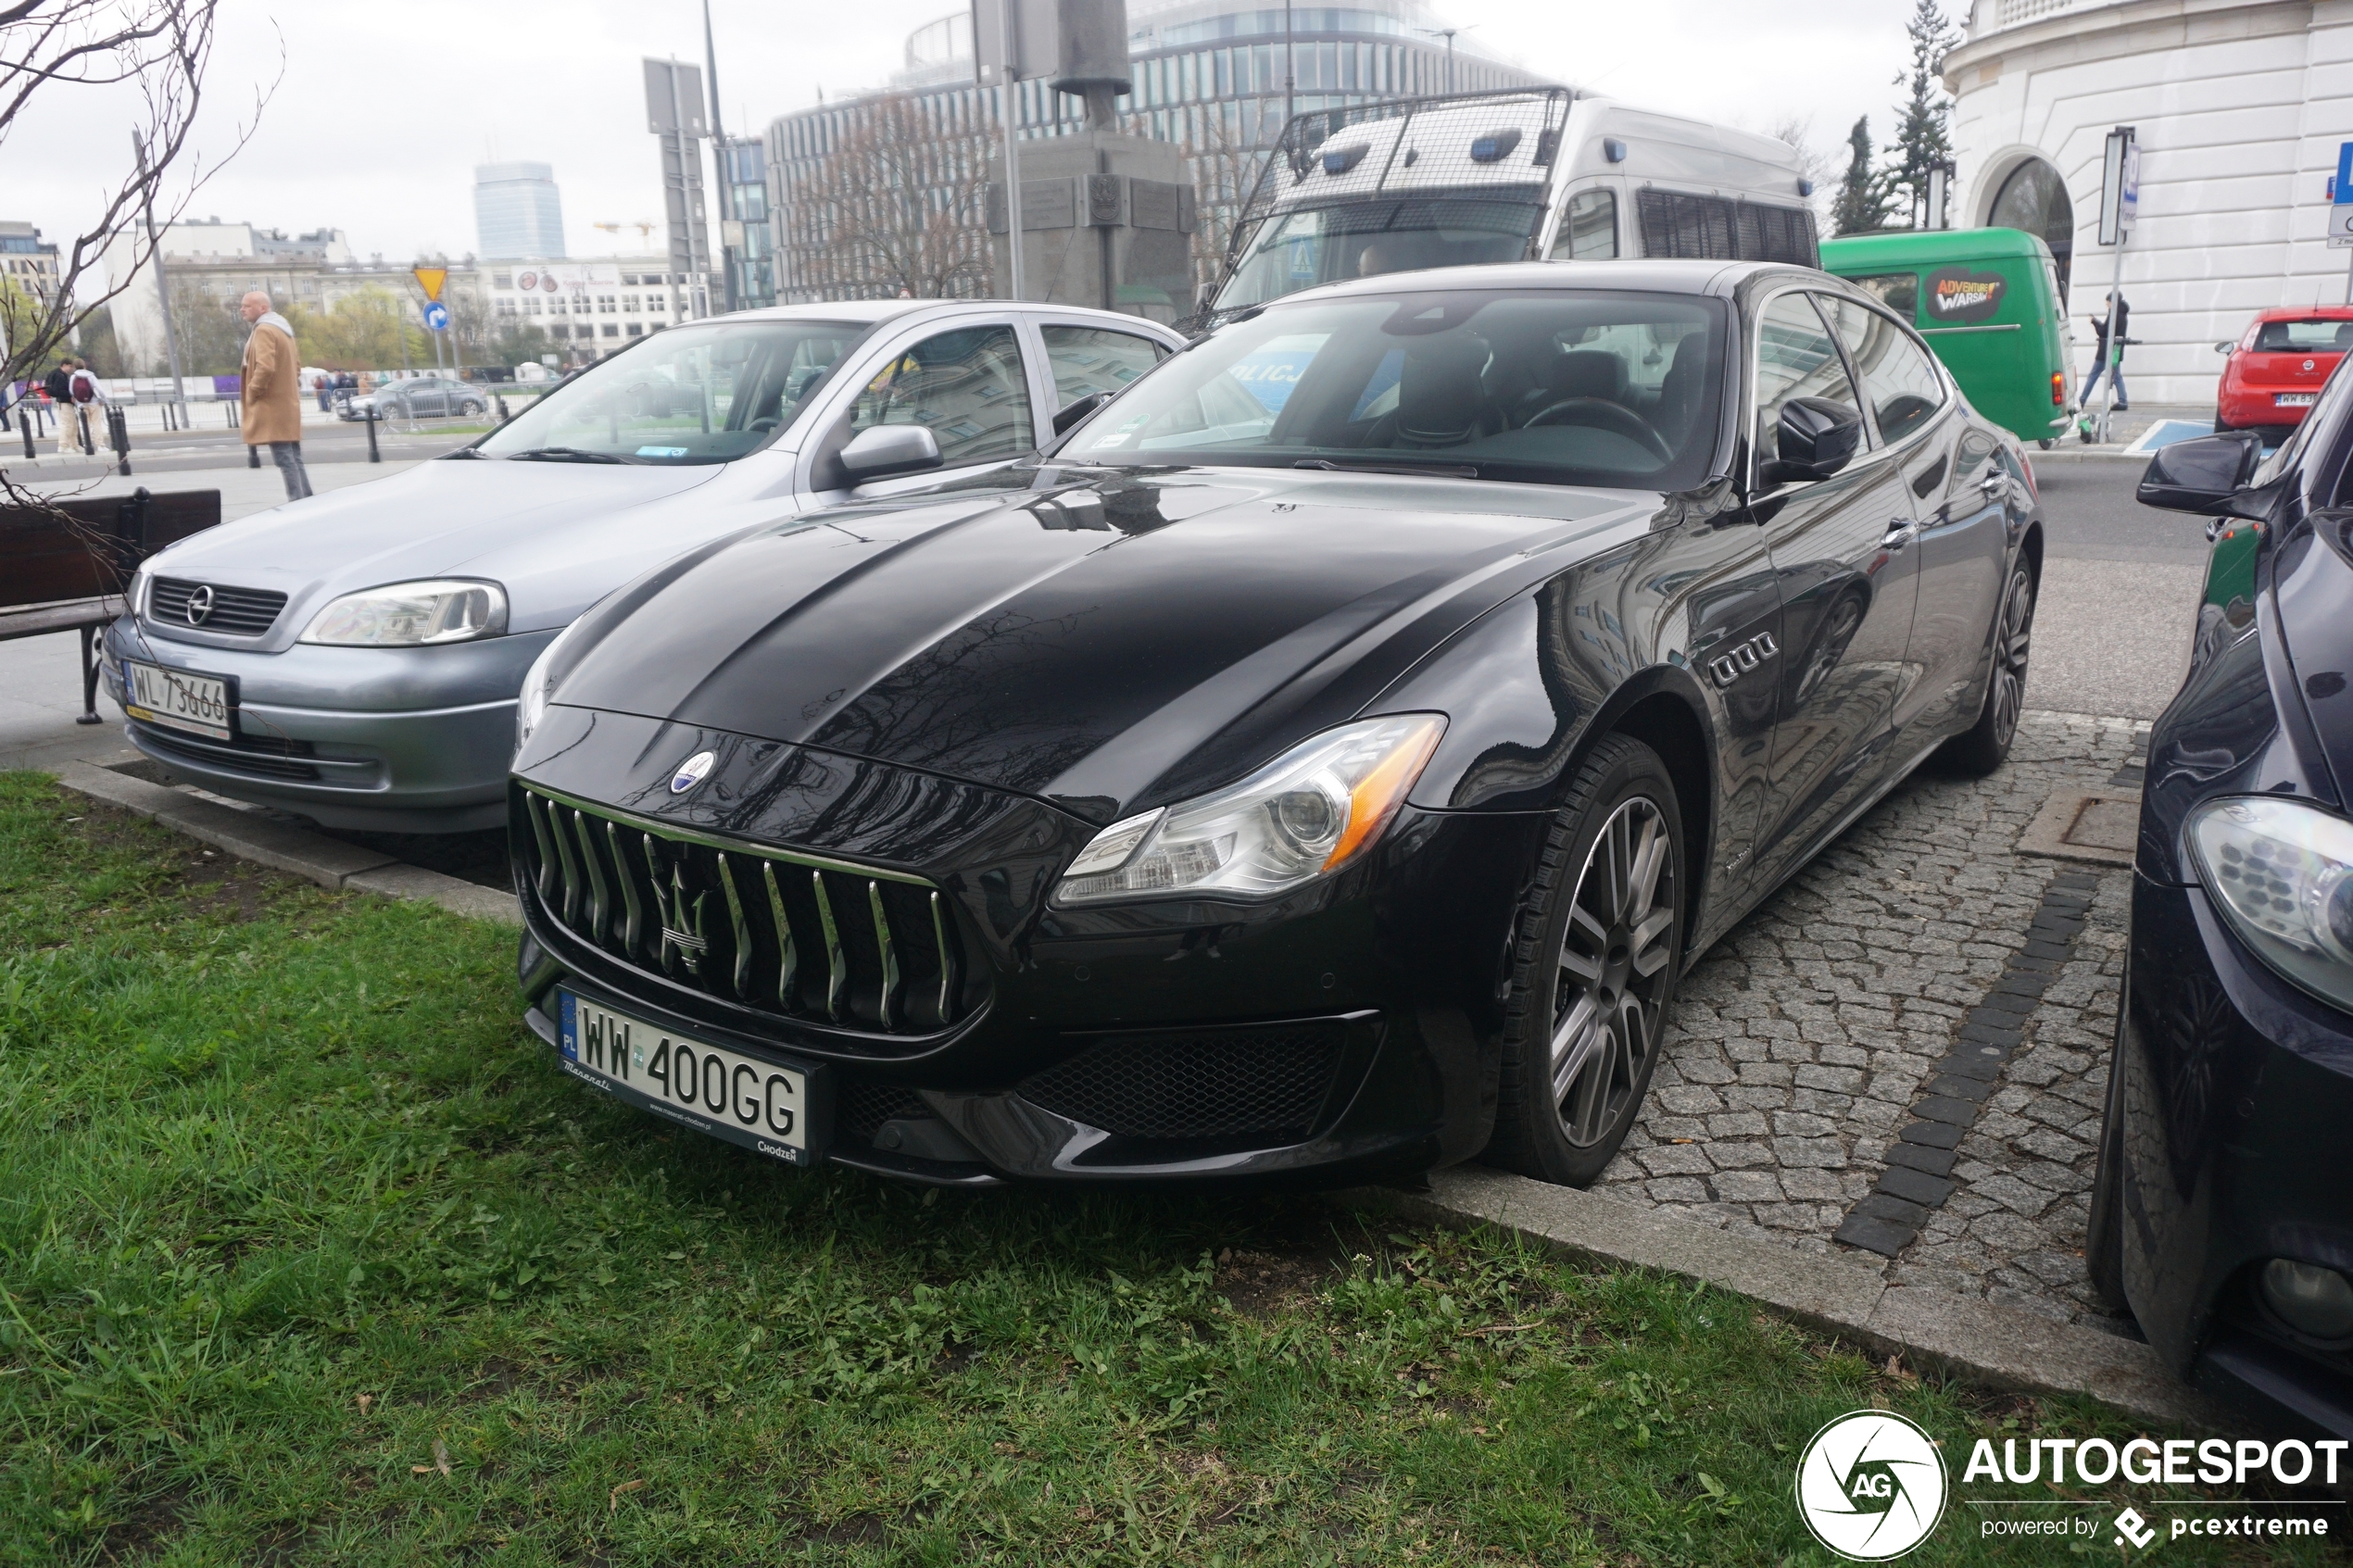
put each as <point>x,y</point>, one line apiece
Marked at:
<point>436,316</point>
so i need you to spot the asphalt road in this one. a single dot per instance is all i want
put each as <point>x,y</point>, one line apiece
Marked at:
<point>2120,588</point>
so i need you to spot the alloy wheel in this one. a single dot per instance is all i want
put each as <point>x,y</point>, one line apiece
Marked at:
<point>1614,972</point>
<point>2011,646</point>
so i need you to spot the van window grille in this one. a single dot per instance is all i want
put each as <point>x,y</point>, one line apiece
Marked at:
<point>1679,223</point>
<point>823,942</point>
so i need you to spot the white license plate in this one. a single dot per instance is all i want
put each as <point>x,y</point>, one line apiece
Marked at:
<point>758,1104</point>
<point>174,697</point>
<point>2294,399</point>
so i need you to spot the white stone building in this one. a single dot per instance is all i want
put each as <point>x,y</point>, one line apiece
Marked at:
<point>2239,106</point>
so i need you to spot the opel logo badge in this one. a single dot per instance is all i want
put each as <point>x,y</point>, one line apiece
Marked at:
<point>690,773</point>
<point>200,604</point>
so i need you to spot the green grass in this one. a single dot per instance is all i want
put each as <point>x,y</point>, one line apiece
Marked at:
<point>308,1255</point>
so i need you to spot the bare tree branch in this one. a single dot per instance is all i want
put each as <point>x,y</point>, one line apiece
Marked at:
<point>163,47</point>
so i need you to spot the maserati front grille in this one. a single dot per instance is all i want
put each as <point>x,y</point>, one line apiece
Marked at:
<point>823,942</point>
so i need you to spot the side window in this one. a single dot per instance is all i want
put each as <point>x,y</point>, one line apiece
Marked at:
<point>965,386</point>
<point>1900,292</point>
<point>1794,358</point>
<point>1899,379</point>
<point>1588,229</point>
<point>1091,359</point>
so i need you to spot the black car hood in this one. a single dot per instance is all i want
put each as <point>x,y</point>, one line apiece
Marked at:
<point>1009,632</point>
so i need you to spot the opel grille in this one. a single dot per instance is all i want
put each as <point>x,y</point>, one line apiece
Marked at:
<point>238,612</point>
<point>823,942</point>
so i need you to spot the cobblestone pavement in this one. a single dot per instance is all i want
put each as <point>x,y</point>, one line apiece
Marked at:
<point>1801,1042</point>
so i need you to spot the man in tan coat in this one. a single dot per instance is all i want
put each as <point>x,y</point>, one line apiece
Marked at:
<point>273,394</point>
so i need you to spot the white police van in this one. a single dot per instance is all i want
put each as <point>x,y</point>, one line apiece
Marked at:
<point>1518,175</point>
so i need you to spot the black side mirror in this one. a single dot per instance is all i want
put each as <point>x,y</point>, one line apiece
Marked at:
<point>1079,411</point>
<point>1817,438</point>
<point>2203,475</point>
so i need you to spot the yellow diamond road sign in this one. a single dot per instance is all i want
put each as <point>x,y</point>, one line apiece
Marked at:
<point>430,279</point>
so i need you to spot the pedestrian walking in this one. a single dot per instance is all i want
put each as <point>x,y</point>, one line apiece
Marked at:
<point>323,383</point>
<point>272,392</point>
<point>2115,372</point>
<point>58,384</point>
<point>89,400</point>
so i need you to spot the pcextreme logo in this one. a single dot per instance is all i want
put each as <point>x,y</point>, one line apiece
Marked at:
<point>1871,1486</point>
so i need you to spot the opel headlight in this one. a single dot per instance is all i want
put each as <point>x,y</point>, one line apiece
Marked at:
<point>1310,811</point>
<point>2282,875</point>
<point>413,614</point>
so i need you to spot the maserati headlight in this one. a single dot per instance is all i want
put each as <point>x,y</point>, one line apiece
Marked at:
<point>531,705</point>
<point>1308,813</point>
<point>413,614</point>
<point>2282,875</point>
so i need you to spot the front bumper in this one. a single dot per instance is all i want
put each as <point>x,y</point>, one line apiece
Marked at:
<point>396,740</point>
<point>1349,1030</point>
<point>2237,1090</point>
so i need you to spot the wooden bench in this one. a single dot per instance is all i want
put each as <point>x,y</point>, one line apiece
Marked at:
<point>57,576</point>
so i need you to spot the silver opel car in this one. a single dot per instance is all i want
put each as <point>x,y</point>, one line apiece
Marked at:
<point>356,656</point>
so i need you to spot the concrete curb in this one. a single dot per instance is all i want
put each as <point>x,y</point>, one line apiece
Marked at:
<point>330,862</point>
<point>1975,1340</point>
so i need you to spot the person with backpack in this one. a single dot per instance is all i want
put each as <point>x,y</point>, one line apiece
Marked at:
<point>272,392</point>
<point>58,384</point>
<point>89,403</point>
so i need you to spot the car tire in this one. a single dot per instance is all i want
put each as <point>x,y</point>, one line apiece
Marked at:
<point>470,408</point>
<point>1597,948</point>
<point>2104,1236</point>
<point>1982,747</point>
<point>2045,442</point>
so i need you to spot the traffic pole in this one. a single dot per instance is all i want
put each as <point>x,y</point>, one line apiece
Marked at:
<point>373,456</point>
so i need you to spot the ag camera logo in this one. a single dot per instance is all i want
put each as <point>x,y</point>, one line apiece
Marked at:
<point>1871,1486</point>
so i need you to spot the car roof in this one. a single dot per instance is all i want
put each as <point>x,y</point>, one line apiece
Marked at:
<point>871,311</point>
<point>1930,247</point>
<point>1715,278</point>
<point>2306,313</point>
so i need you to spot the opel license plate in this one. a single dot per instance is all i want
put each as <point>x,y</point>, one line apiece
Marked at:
<point>176,699</point>
<point>763,1105</point>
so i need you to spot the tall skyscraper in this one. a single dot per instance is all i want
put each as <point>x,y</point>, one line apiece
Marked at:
<point>518,214</point>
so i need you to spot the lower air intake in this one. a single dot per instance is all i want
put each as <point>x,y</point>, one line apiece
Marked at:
<point>1266,1082</point>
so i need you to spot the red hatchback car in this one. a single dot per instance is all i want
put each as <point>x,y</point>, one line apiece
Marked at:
<point>2277,367</point>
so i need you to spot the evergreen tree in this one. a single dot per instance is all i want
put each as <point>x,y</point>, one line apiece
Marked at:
<point>1862,196</point>
<point>1920,121</point>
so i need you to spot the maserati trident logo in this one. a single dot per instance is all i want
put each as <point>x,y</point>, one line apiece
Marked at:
<point>681,922</point>
<point>690,773</point>
<point>200,604</point>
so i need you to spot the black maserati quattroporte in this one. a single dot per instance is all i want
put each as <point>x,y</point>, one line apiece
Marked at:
<point>1324,758</point>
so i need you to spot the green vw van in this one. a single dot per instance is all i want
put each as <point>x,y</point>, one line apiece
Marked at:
<point>1988,302</point>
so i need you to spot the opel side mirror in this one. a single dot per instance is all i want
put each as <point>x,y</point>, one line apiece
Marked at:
<point>2202,475</point>
<point>1077,411</point>
<point>1815,437</point>
<point>885,450</point>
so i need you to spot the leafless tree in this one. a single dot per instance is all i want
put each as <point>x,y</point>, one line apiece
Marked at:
<point>895,208</point>
<point>160,51</point>
<point>1226,162</point>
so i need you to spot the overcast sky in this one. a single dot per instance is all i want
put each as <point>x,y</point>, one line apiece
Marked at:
<point>384,109</point>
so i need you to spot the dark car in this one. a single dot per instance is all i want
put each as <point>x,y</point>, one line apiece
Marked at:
<point>1327,758</point>
<point>2223,1216</point>
<point>418,395</point>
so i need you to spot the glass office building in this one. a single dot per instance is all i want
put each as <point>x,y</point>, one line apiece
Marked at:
<point>1216,80</point>
<point>516,212</point>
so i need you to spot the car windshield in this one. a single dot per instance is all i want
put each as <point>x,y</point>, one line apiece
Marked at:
<point>1364,239</point>
<point>1550,386</point>
<point>2304,337</point>
<point>703,393</point>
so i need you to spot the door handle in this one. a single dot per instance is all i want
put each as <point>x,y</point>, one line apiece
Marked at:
<point>1993,484</point>
<point>1901,531</point>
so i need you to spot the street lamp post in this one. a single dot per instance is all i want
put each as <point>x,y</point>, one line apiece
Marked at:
<point>1448,34</point>
<point>1291,68</point>
<point>721,157</point>
<point>163,288</point>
